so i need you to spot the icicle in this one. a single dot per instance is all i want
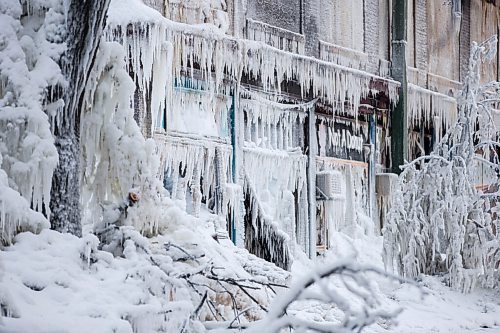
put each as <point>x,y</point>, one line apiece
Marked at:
<point>193,157</point>
<point>220,56</point>
<point>425,106</point>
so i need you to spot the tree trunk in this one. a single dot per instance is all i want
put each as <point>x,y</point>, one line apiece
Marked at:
<point>86,20</point>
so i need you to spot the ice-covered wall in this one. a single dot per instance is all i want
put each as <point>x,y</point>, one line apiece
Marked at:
<point>285,14</point>
<point>189,79</point>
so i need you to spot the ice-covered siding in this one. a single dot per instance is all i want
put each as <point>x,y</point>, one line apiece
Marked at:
<point>342,23</point>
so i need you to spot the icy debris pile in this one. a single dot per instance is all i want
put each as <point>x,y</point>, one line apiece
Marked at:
<point>31,42</point>
<point>343,286</point>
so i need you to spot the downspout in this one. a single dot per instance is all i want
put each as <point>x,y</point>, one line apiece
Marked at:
<point>235,156</point>
<point>311,175</point>
<point>399,137</point>
<point>372,130</point>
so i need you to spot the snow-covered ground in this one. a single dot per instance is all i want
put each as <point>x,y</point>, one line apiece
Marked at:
<point>439,309</point>
<point>50,285</point>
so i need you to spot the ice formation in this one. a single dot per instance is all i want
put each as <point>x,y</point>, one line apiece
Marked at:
<point>345,213</point>
<point>220,57</point>
<point>15,213</point>
<point>116,158</point>
<point>200,166</point>
<point>197,112</point>
<point>29,83</point>
<point>271,124</point>
<point>200,69</point>
<point>275,170</point>
<point>431,110</point>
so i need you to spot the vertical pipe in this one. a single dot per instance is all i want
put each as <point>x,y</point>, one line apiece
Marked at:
<point>372,130</point>
<point>311,174</point>
<point>399,140</point>
<point>234,134</point>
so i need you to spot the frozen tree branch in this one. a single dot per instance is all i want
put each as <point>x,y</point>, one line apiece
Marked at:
<point>439,222</point>
<point>351,293</point>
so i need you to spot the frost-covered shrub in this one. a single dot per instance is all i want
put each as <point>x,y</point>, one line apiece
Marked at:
<point>439,222</point>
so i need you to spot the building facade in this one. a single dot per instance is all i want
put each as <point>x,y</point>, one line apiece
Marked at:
<point>283,117</point>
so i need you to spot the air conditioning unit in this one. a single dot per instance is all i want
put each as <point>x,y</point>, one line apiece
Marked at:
<point>385,183</point>
<point>329,185</point>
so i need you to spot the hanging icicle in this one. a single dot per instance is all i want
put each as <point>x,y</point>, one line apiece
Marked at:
<point>428,109</point>
<point>154,41</point>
